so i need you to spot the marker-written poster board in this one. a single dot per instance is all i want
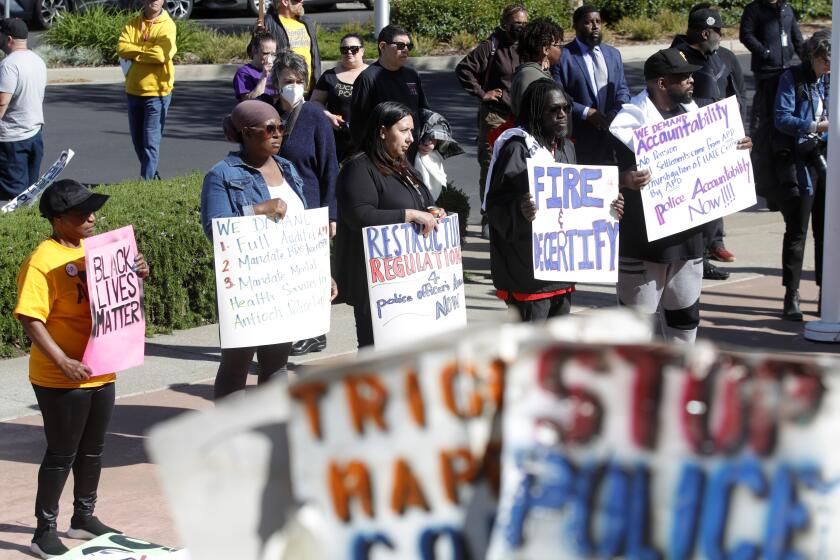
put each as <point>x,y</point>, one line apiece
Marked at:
<point>575,234</point>
<point>117,339</point>
<point>654,452</point>
<point>415,283</point>
<point>272,278</point>
<point>388,451</point>
<point>698,174</point>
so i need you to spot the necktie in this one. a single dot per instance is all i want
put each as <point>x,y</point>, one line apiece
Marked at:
<point>600,71</point>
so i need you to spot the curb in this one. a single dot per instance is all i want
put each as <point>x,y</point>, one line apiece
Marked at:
<point>205,72</point>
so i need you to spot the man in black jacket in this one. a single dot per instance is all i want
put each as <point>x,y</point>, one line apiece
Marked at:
<point>295,32</point>
<point>770,31</point>
<point>486,73</point>
<point>720,76</point>
<point>545,125</point>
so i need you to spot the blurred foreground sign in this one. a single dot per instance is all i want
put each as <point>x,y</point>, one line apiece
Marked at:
<point>609,450</point>
<point>645,452</point>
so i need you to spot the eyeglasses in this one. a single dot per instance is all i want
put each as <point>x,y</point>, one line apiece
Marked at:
<point>350,50</point>
<point>400,46</point>
<point>270,129</point>
<point>558,45</point>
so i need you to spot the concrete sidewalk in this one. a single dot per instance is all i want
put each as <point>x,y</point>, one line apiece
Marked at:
<point>203,72</point>
<point>177,377</point>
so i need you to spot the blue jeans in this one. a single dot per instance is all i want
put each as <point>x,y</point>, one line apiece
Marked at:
<point>20,165</point>
<point>146,116</point>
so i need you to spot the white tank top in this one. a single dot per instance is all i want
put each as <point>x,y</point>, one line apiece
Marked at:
<point>284,192</point>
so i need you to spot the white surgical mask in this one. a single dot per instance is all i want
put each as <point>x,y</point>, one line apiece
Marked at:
<point>292,93</point>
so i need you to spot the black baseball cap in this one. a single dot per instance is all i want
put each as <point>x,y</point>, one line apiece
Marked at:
<point>667,62</point>
<point>69,195</point>
<point>705,18</point>
<point>14,27</point>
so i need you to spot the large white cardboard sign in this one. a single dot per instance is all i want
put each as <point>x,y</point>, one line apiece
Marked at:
<point>415,283</point>
<point>272,278</point>
<point>388,450</point>
<point>698,174</point>
<point>575,232</point>
<point>649,452</point>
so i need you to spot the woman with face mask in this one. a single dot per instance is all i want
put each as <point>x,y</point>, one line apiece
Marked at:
<point>309,144</point>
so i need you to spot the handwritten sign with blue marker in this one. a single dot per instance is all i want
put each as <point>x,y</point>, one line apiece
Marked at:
<point>272,278</point>
<point>698,174</point>
<point>575,234</point>
<point>416,283</point>
<point>650,452</point>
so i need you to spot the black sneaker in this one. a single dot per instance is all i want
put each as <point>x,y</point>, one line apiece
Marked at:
<point>711,272</point>
<point>88,528</point>
<point>46,544</point>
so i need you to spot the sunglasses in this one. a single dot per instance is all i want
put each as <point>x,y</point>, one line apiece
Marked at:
<point>400,46</point>
<point>350,50</point>
<point>271,128</point>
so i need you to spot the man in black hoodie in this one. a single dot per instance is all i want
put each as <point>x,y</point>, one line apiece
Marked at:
<point>770,31</point>
<point>486,73</point>
<point>720,76</point>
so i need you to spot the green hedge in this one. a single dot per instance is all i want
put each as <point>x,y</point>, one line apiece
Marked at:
<point>180,293</point>
<point>614,10</point>
<point>442,19</point>
<point>99,29</point>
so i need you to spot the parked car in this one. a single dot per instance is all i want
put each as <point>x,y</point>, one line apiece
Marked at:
<point>42,13</point>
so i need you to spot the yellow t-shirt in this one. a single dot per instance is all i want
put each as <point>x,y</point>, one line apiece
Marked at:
<point>52,288</point>
<point>299,42</point>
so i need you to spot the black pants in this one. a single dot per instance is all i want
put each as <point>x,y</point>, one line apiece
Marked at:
<point>796,211</point>
<point>713,234</point>
<point>541,309</point>
<point>364,324</point>
<point>764,101</point>
<point>233,370</point>
<point>75,421</point>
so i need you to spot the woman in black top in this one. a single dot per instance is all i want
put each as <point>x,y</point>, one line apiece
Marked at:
<point>334,90</point>
<point>377,187</point>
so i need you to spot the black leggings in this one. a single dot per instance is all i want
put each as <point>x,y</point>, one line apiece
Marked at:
<point>233,371</point>
<point>75,421</point>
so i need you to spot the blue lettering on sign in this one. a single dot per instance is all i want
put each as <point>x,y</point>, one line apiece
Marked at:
<point>429,537</point>
<point>362,545</point>
<point>597,248</point>
<point>395,240</point>
<point>568,187</point>
<point>615,500</point>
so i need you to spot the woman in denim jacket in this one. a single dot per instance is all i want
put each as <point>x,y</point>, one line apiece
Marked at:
<point>801,118</point>
<point>252,181</point>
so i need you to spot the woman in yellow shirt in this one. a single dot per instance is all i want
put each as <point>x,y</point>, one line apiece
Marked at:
<point>54,309</point>
<point>147,48</point>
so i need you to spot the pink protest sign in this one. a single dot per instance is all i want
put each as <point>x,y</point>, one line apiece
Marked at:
<point>117,337</point>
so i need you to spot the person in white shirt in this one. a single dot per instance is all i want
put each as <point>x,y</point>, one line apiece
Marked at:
<point>23,80</point>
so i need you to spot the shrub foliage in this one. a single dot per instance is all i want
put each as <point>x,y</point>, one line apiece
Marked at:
<point>180,293</point>
<point>444,19</point>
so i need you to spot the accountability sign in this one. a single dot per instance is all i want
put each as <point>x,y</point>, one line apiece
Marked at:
<point>698,174</point>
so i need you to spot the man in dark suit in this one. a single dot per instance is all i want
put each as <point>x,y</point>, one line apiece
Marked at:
<point>593,75</point>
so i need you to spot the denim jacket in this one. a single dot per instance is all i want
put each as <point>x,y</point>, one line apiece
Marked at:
<point>794,115</point>
<point>233,187</point>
